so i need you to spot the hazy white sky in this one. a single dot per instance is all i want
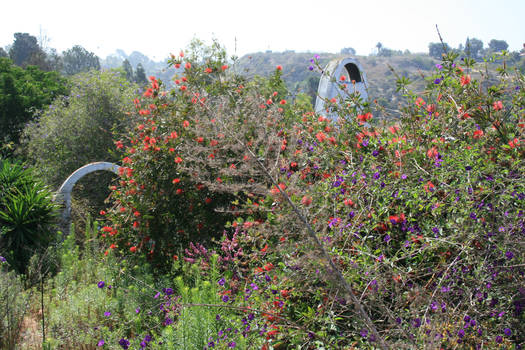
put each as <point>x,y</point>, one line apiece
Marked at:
<point>159,27</point>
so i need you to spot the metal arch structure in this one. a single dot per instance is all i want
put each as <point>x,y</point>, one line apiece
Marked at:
<point>64,192</point>
<point>329,87</point>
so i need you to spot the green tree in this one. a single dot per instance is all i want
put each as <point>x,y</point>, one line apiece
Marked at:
<point>436,50</point>
<point>78,59</point>
<point>498,45</point>
<point>3,53</point>
<point>77,129</point>
<point>128,69</point>
<point>473,47</point>
<point>22,91</point>
<point>140,75</point>
<point>348,51</point>
<point>23,48</point>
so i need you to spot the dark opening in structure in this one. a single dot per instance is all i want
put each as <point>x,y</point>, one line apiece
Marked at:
<point>353,71</point>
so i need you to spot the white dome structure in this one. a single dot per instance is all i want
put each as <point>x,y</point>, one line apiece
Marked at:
<point>329,86</point>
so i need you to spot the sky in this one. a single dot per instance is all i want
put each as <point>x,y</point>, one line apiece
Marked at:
<point>158,28</point>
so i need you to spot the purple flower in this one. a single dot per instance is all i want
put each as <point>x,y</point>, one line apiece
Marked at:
<point>499,339</point>
<point>461,333</point>
<point>311,68</point>
<point>437,81</point>
<point>438,66</point>
<point>100,343</point>
<point>2,259</point>
<point>168,291</point>
<point>101,284</point>
<point>221,282</point>
<point>217,317</point>
<point>363,333</point>
<point>404,176</point>
<point>416,323</point>
<point>124,343</point>
<point>225,298</point>
<point>107,313</point>
<point>137,310</point>
<point>232,344</point>
<point>509,254</point>
<point>168,321</point>
<point>507,332</point>
<point>147,338</point>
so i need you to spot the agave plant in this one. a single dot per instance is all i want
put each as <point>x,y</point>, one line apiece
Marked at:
<point>27,214</point>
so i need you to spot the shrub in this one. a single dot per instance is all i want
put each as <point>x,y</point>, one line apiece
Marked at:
<point>405,234</point>
<point>27,214</point>
<point>13,306</point>
<point>77,129</point>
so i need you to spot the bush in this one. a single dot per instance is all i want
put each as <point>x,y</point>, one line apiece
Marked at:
<point>27,215</point>
<point>77,129</point>
<point>353,232</point>
<point>14,303</point>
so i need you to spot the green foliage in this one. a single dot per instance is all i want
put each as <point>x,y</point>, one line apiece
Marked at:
<point>27,214</point>
<point>78,59</point>
<point>498,45</point>
<point>77,129</point>
<point>14,302</point>
<point>436,50</point>
<point>140,75</point>
<point>22,92</point>
<point>24,48</point>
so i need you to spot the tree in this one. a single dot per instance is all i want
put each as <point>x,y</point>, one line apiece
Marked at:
<point>437,50</point>
<point>473,47</point>
<point>77,129</point>
<point>379,46</point>
<point>128,69</point>
<point>498,45</point>
<point>23,48</point>
<point>22,91</point>
<point>140,75</point>
<point>78,59</point>
<point>348,51</point>
<point>3,53</point>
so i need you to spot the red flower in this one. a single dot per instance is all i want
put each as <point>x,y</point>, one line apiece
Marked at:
<point>275,190</point>
<point>364,117</point>
<point>224,67</point>
<point>465,80</point>
<point>478,134</point>
<point>176,181</point>
<point>133,249</point>
<point>283,102</point>
<point>498,105</point>
<point>178,160</point>
<point>208,70</point>
<point>102,212</point>
<point>279,67</point>
<point>112,246</point>
<point>187,65</point>
<point>320,136</point>
<point>307,200</point>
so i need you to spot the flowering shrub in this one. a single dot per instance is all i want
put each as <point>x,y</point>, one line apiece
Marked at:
<point>347,232</point>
